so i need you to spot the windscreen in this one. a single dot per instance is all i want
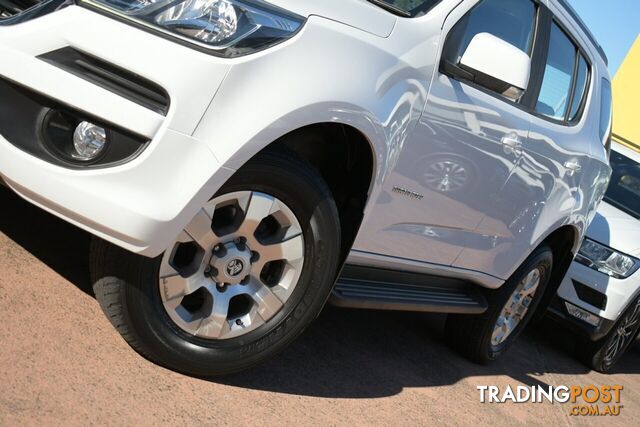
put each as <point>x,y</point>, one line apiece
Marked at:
<point>624,188</point>
<point>412,7</point>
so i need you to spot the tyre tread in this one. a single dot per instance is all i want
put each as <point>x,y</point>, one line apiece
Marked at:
<point>108,291</point>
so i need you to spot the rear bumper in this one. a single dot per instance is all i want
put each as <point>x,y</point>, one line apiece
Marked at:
<point>140,205</point>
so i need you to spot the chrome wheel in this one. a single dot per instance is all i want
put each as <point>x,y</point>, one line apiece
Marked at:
<point>234,266</point>
<point>622,335</point>
<point>516,307</point>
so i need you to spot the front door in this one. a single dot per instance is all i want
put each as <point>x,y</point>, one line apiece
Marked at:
<point>548,186</point>
<point>454,164</point>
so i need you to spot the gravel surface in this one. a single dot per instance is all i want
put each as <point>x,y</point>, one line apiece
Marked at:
<point>61,362</point>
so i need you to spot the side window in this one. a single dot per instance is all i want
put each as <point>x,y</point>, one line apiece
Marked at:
<point>554,95</point>
<point>605,110</point>
<point>510,20</point>
<point>582,80</point>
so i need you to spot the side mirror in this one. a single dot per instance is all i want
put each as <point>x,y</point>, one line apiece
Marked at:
<point>496,65</point>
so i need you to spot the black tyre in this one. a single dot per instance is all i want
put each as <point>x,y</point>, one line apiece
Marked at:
<point>244,279</point>
<point>602,355</point>
<point>483,338</point>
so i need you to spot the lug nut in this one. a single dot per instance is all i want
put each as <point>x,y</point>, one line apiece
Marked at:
<point>210,271</point>
<point>241,243</point>
<point>239,322</point>
<point>255,256</point>
<point>219,251</point>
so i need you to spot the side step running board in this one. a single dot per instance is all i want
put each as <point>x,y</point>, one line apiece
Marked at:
<point>356,289</point>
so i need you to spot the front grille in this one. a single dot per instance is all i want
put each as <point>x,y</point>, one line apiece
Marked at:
<point>10,8</point>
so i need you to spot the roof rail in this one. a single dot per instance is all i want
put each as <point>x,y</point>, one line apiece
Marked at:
<point>572,12</point>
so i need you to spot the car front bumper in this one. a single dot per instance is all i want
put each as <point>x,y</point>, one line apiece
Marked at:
<point>606,298</point>
<point>139,205</point>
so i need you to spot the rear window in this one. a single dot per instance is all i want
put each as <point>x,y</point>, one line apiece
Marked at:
<point>557,82</point>
<point>412,8</point>
<point>624,188</point>
<point>565,80</point>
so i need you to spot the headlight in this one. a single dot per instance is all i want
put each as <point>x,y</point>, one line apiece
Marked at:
<point>606,260</point>
<point>224,27</point>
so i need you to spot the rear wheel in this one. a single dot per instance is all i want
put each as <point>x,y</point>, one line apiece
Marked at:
<point>483,338</point>
<point>603,354</point>
<point>246,276</point>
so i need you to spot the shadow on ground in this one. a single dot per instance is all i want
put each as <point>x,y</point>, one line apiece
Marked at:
<point>345,353</point>
<point>58,244</point>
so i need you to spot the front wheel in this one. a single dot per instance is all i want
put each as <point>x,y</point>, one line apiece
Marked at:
<point>483,338</point>
<point>603,354</point>
<point>251,270</point>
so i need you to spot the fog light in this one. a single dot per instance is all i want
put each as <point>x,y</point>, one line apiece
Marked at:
<point>89,141</point>
<point>581,314</point>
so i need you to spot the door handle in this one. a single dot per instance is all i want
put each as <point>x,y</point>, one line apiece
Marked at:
<point>572,167</point>
<point>512,145</point>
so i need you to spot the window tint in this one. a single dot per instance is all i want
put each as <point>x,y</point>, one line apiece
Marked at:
<point>582,79</point>
<point>558,75</point>
<point>510,20</point>
<point>605,109</point>
<point>624,187</point>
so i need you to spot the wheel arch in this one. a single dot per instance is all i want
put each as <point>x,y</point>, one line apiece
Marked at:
<point>563,242</point>
<point>346,160</point>
<point>321,126</point>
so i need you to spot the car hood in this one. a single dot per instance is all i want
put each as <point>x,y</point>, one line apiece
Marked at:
<point>616,229</point>
<point>356,13</point>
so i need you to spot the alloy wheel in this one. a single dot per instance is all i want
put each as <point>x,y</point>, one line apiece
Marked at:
<point>516,307</point>
<point>233,267</point>
<point>622,335</point>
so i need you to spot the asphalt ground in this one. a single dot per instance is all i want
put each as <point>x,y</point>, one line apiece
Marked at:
<point>61,362</point>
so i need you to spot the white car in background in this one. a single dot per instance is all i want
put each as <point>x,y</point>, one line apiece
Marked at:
<point>601,292</point>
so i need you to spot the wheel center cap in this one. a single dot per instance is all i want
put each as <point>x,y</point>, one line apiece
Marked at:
<point>231,263</point>
<point>235,267</point>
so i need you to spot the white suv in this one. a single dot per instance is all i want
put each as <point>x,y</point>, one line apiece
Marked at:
<point>237,158</point>
<point>600,295</point>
